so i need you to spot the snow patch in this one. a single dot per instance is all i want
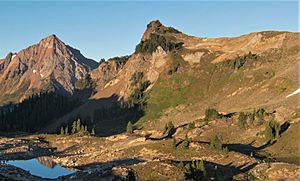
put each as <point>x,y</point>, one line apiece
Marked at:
<point>13,56</point>
<point>42,75</point>
<point>34,71</point>
<point>294,93</point>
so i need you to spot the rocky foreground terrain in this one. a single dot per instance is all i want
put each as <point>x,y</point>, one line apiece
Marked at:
<point>148,155</point>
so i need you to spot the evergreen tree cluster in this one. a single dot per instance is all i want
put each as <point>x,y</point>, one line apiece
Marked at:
<point>216,143</point>
<point>169,129</point>
<point>186,142</point>
<point>247,118</point>
<point>260,113</point>
<point>239,61</point>
<point>211,113</point>
<point>242,120</point>
<point>36,112</point>
<point>136,78</point>
<point>155,40</point>
<point>85,83</point>
<point>138,98</point>
<point>194,170</point>
<point>77,127</point>
<point>118,113</point>
<point>272,130</point>
<point>191,126</point>
<point>121,61</point>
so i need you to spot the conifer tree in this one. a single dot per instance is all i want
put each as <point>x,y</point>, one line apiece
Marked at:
<point>276,126</point>
<point>268,132</point>
<point>67,130</point>
<point>181,164</point>
<point>169,129</point>
<point>93,132</point>
<point>272,130</point>
<point>202,168</point>
<point>78,125</point>
<point>129,127</point>
<point>62,132</point>
<point>186,142</point>
<point>74,127</point>
<point>174,143</point>
<point>216,143</point>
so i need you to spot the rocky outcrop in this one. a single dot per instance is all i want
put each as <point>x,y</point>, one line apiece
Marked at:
<point>108,70</point>
<point>150,64</point>
<point>156,27</point>
<point>5,62</point>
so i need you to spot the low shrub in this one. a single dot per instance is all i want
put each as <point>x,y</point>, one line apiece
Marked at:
<point>216,143</point>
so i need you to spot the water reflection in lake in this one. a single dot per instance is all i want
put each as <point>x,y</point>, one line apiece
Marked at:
<point>47,161</point>
<point>43,167</point>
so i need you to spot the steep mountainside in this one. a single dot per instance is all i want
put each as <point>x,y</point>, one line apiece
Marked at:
<point>220,71</point>
<point>189,74</point>
<point>275,54</point>
<point>48,65</point>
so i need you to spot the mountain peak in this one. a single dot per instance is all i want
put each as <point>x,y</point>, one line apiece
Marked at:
<point>51,37</point>
<point>152,27</point>
<point>50,41</point>
<point>9,55</point>
<point>45,66</point>
<point>156,26</point>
